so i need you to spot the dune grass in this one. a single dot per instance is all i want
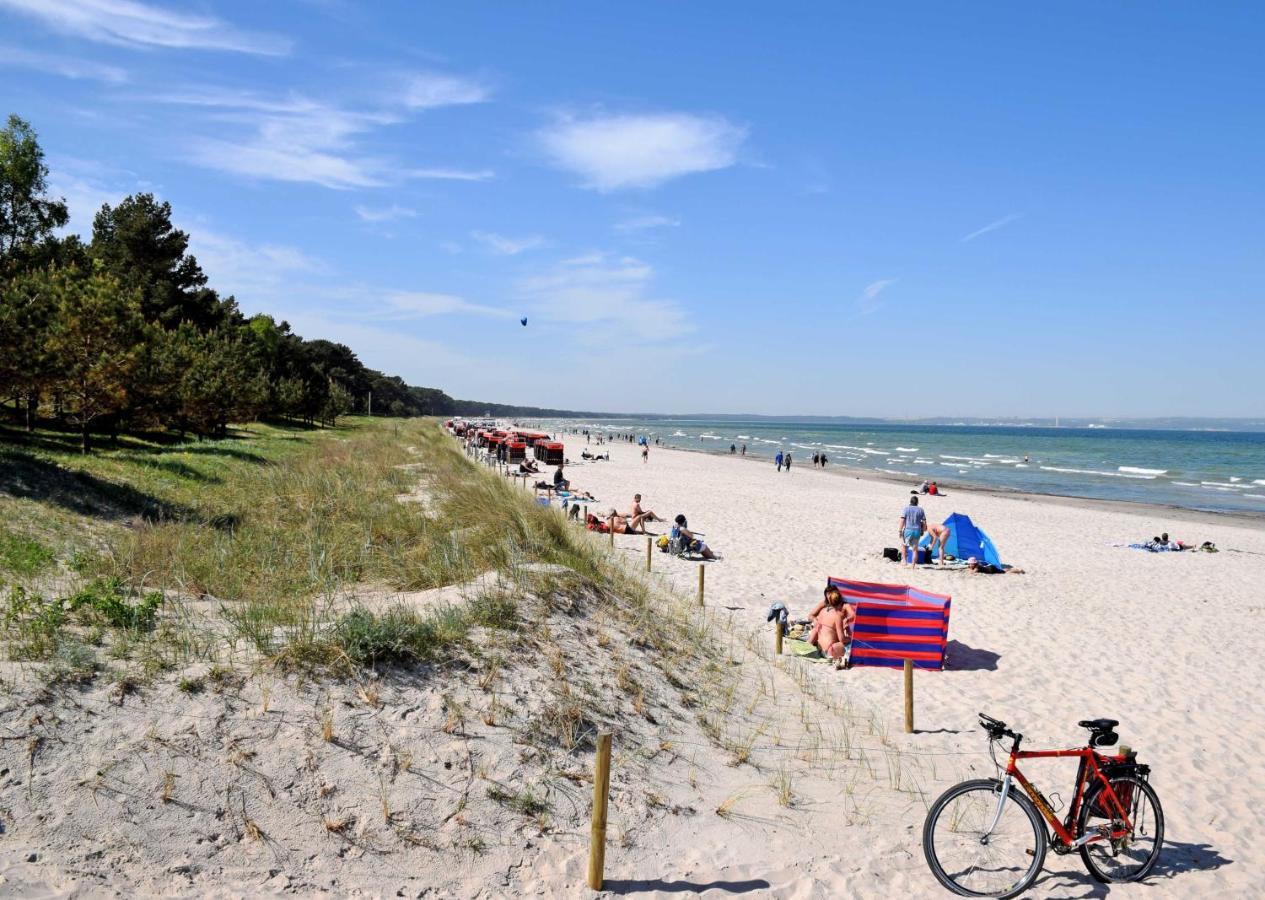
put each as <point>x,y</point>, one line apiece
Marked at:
<point>253,548</point>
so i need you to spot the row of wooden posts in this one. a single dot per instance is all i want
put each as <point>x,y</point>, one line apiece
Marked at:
<point>602,762</point>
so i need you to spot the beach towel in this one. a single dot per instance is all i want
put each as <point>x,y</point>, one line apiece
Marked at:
<point>802,649</point>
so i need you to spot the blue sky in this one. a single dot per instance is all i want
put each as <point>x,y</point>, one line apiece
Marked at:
<point>865,209</point>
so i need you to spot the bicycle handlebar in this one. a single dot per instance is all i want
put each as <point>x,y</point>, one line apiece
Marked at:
<point>997,729</point>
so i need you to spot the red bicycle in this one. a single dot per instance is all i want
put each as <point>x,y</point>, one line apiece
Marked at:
<point>983,838</point>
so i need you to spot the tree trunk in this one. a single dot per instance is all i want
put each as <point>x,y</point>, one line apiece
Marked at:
<point>83,446</point>
<point>32,404</point>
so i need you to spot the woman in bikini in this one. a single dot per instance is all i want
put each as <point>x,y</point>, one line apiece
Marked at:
<point>832,625</point>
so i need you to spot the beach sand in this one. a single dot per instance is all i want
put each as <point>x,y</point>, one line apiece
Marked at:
<point>1170,644</point>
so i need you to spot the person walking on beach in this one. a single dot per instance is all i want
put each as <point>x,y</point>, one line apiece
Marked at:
<point>787,461</point>
<point>778,459</point>
<point>823,460</point>
<point>744,449</point>
<point>913,522</point>
<point>645,453</point>
<point>816,456</point>
<point>733,449</point>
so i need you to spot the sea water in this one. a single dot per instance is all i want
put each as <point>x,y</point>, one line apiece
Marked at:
<point>1209,470</point>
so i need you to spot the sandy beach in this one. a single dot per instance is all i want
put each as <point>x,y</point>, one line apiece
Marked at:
<point>1169,644</point>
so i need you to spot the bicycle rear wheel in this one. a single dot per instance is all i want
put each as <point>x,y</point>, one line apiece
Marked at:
<point>1131,857</point>
<point>973,861</point>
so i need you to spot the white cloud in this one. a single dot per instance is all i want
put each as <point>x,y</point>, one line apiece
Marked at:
<point>506,246</point>
<point>992,226</point>
<point>417,304</point>
<point>295,138</point>
<point>133,24</point>
<point>638,151</point>
<point>870,299</point>
<point>431,90</point>
<point>250,271</point>
<point>609,295</point>
<point>452,174</point>
<point>379,214</point>
<point>66,67</point>
<point>646,223</point>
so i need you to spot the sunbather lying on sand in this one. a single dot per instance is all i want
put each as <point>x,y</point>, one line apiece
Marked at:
<point>619,523</point>
<point>832,625</point>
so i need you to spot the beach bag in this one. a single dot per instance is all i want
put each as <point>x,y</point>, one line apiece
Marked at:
<point>891,554</point>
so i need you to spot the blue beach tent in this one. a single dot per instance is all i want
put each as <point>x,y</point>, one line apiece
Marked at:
<point>967,540</point>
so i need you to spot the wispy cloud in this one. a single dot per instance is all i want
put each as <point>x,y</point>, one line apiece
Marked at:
<point>992,226</point>
<point>646,223</point>
<point>295,138</point>
<point>871,298</point>
<point>251,271</point>
<point>390,213</point>
<point>640,151</point>
<point>419,304</point>
<point>133,24</point>
<point>66,67</point>
<point>611,295</point>
<point>507,246</point>
<point>430,90</point>
<point>451,174</point>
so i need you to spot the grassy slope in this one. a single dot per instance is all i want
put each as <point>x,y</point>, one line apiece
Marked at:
<point>252,540</point>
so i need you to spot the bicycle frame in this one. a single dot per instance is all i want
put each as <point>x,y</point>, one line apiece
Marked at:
<point>1088,769</point>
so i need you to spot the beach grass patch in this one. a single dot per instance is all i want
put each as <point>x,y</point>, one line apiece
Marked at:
<point>22,555</point>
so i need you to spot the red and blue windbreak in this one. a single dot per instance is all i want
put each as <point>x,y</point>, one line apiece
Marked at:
<point>896,622</point>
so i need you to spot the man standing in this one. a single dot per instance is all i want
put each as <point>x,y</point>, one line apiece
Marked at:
<point>787,461</point>
<point>645,453</point>
<point>778,459</point>
<point>913,522</point>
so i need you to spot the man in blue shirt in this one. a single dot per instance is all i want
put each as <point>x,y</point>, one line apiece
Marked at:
<point>778,459</point>
<point>913,522</point>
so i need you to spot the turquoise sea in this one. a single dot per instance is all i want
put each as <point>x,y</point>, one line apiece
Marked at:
<point>1206,470</point>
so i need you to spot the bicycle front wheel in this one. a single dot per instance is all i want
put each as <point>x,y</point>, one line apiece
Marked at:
<point>971,858</point>
<point>1131,856</point>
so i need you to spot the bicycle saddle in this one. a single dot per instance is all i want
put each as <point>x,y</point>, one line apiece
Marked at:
<point>1098,724</point>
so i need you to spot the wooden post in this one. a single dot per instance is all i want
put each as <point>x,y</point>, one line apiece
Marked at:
<point>909,696</point>
<point>649,545</point>
<point>701,570</point>
<point>611,525</point>
<point>601,790</point>
<point>777,636</point>
<point>586,514</point>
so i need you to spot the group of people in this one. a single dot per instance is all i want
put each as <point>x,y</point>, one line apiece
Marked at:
<point>929,487</point>
<point>783,460</point>
<point>733,449</point>
<point>819,459</point>
<point>634,522</point>
<point>913,525</point>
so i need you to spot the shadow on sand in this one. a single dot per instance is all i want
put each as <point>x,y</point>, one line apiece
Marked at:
<point>634,886</point>
<point>961,658</point>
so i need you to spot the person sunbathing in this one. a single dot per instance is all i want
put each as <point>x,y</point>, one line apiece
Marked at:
<point>619,523</point>
<point>689,541</point>
<point>832,625</point>
<point>640,517</point>
<point>527,467</point>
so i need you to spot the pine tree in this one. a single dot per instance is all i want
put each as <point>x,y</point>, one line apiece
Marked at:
<point>94,342</point>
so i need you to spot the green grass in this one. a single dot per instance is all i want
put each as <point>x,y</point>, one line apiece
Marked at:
<point>269,533</point>
<point>22,555</point>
